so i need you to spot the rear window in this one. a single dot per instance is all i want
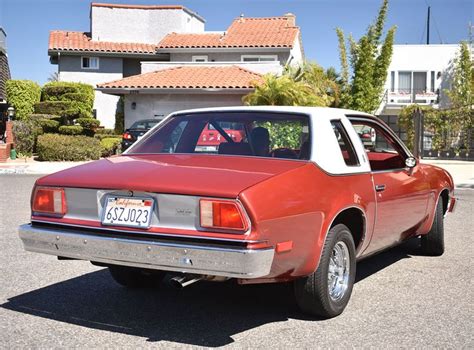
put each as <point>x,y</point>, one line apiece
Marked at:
<point>259,134</point>
<point>144,124</point>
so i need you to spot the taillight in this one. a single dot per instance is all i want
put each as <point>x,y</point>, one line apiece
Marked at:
<point>225,215</point>
<point>126,136</point>
<point>49,201</point>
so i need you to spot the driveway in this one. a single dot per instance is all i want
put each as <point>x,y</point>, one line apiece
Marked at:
<point>400,300</point>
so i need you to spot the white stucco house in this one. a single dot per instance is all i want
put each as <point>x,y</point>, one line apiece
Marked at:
<point>417,74</point>
<point>161,59</point>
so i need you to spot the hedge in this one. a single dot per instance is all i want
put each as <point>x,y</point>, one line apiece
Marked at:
<point>88,123</point>
<point>54,147</point>
<point>110,146</point>
<point>68,109</point>
<point>48,125</point>
<point>104,131</point>
<point>71,129</point>
<point>34,117</point>
<point>22,95</point>
<point>103,136</point>
<point>24,137</point>
<point>120,116</point>
<point>68,91</point>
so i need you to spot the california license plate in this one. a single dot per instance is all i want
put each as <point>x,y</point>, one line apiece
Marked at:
<point>128,211</point>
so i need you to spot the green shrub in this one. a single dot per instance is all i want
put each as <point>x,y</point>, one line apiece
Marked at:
<point>67,109</point>
<point>103,136</point>
<point>120,117</point>
<point>24,137</point>
<point>71,129</point>
<point>104,131</point>
<point>78,97</point>
<point>22,95</point>
<point>88,123</point>
<point>35,117</point>
<point>68,91</point>
<point>48,125</point>
<point>54,147</point>
<point>110,146</point>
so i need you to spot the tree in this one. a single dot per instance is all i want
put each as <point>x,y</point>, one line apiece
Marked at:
<point>306,84</point>
<point>369,60</point>
<point>54,76</point>
<point>282,91</point>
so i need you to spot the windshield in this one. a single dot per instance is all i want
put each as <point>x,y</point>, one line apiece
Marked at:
<point>260,134</point>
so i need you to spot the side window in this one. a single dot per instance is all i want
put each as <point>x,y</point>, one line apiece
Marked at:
<point>345,144</point>
<point>382,151</point>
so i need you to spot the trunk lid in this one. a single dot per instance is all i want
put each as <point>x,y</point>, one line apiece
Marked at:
<point>203,175</point>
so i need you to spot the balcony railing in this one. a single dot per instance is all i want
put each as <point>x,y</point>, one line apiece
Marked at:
<point>409,96</point>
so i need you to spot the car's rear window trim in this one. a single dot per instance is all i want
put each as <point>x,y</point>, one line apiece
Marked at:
<point>157,127</point>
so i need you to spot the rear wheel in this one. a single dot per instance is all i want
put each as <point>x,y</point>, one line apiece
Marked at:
<point>133,277</point>
<point>432,244</point>
<point>326,292</point>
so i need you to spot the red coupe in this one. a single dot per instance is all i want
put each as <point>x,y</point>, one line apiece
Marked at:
<point>296,197</point>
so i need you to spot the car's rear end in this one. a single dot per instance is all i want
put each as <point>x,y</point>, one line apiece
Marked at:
<point>167,205</point>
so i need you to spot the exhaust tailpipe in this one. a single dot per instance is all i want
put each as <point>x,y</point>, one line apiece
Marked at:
<point>184,281</point>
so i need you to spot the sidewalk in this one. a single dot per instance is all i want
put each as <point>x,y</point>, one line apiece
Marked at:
<point>462,171</point>
<point>33,167</point>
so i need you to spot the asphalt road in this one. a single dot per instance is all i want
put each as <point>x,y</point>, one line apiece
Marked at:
<point>400,299</point>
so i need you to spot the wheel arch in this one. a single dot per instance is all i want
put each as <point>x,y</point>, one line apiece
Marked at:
<point>355,220</point>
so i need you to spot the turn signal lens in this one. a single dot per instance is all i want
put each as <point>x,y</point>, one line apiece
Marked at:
<point>226,215</point>
<point>51,201</point>
<point>126,136</point>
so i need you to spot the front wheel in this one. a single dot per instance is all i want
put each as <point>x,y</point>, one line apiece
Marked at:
<point>326,292</point>
<point>133,277</point>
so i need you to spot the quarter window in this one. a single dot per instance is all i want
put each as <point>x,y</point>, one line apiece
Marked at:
<point>347,149</point>
<point>90,62</point>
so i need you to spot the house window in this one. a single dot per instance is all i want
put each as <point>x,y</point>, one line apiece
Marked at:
<point>90,62</point>
<point>432,85</point>
<point>259,58</point>
<point>199,58</point>
<point>392,81</point>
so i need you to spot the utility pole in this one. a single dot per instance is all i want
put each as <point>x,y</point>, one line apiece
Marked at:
<point>428,27</point>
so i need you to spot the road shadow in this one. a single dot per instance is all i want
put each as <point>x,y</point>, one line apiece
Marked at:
<point>204,314</point>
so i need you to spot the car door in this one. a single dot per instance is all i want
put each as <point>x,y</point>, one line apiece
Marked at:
<point>401,192</point>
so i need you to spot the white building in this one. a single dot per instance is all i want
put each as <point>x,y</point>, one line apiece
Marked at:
<point>161,59</point>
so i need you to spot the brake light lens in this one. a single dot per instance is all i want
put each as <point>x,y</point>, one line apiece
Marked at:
<point>225,215</point>
<point>49,201</point>
<point>126,136</point>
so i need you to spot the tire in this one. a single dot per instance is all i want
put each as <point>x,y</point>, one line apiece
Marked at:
<point>132,277</point>
<point>432,244</point>
<point>313,293</point>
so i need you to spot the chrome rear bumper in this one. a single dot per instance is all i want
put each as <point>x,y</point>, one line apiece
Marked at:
<point>151,254</point>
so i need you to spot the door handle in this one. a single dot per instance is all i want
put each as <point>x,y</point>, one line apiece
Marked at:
<point>380,188</point>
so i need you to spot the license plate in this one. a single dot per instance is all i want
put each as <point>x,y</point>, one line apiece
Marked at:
<point>128,211</point>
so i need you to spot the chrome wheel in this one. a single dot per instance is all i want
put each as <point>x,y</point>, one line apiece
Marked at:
<point>338,271</point>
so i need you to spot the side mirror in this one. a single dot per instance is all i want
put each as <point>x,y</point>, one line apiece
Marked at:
<point>410,162</point>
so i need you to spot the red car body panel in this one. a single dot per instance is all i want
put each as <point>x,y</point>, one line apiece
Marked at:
<point>225,177</point>
<point>308,200</point>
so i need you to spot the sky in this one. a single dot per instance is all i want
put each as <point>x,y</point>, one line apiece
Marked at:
<point>28,22</point>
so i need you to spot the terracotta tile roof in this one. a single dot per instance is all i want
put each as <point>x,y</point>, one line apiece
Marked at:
<point>243,32</point>
<point>189,77</point>
<point>79,41</point>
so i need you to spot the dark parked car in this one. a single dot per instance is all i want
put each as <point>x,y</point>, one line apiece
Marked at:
<point>137,130</point>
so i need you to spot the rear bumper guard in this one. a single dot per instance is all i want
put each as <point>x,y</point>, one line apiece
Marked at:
<point>189,258</point>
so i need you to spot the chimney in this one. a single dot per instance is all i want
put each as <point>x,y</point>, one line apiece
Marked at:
<point>291,19</point>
